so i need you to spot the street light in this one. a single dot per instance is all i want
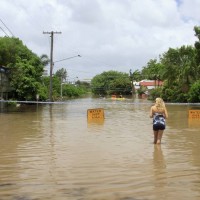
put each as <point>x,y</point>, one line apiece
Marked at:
<point>67,58</point>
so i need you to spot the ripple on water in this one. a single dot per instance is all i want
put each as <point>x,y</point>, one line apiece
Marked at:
<point>64,157</point>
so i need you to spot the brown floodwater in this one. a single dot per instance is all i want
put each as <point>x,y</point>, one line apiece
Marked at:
<point>51,152</point>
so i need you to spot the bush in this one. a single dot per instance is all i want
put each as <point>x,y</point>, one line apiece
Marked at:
<point>194,93</point>
<point>73,91</point>
<point>155,93</point>
<point>141,90</point>
<point>174,94</point>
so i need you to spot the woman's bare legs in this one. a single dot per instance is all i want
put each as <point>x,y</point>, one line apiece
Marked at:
<point>155,136</point>
<point>159,137</point>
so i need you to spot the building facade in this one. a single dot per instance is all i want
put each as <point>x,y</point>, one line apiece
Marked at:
<point>149,84</point>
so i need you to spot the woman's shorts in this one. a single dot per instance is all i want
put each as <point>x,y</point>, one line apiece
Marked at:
<point>157,127</point>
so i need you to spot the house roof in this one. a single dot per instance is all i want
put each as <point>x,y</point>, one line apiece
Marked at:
<point>151,83</point>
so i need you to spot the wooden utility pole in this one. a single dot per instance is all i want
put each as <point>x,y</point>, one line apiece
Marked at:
<point>51,63</point>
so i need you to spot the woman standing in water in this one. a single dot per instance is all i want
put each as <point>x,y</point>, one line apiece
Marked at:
<point>159,113</point>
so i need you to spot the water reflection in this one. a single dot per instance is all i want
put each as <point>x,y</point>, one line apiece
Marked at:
<point>160,173</point>
<point>52,152</point>
<point>158,158</point>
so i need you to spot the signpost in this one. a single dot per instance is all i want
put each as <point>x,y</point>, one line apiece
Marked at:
<point>194,118</point>
<point>95,115</point>
<point>194,114</point>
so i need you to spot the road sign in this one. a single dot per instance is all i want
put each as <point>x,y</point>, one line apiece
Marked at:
<point>194,114</point>
<point>96,114</point>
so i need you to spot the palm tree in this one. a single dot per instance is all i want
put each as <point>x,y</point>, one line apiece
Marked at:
<point>44,59</point>
<point>135,76</point>
<point>62,74</point>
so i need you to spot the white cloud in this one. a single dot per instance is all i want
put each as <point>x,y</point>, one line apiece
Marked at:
<point>110,35</point>
<point>190,10</point>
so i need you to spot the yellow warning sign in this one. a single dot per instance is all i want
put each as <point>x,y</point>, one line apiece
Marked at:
<point>194,114</point>
<point>96,114</point>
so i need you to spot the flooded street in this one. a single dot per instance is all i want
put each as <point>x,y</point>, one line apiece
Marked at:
<point>51,152</point>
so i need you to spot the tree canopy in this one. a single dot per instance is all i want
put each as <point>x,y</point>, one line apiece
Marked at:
<point>111,82</point>
<point>26,69</point>
<point>26,73</point>
<point>62,74</point>
<point>179,68</point>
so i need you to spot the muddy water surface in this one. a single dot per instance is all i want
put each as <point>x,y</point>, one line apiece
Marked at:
<point>53,153</point>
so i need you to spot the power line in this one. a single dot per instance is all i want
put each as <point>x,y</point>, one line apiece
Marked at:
<point>4,31</point>
<point>7,28</point>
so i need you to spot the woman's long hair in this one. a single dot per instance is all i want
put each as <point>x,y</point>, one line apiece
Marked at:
<point>160,105</point>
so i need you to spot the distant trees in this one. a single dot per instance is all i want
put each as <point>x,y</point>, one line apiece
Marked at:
<point>45,59</point>
<point>180,70</point>
<point>111,82</point>
<point>26,73</point>
<point>134,76</point>
<point>153,70</point>
<point>62,74</point>
<point>68,90</point>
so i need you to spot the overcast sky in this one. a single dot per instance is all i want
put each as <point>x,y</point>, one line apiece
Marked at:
<point>108,34</point>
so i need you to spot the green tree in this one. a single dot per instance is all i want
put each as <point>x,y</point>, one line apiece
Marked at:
<point>45,59</point>
<point>153,70</point>
<point>68,90</point>
<point>180,67</point>
<point>62,74</point>
<point>73,91</point>
<point>197,44</point>
<point>111,82</point>
<point>194,93</point>
<point>26,68</point>
<point>134,76</point>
